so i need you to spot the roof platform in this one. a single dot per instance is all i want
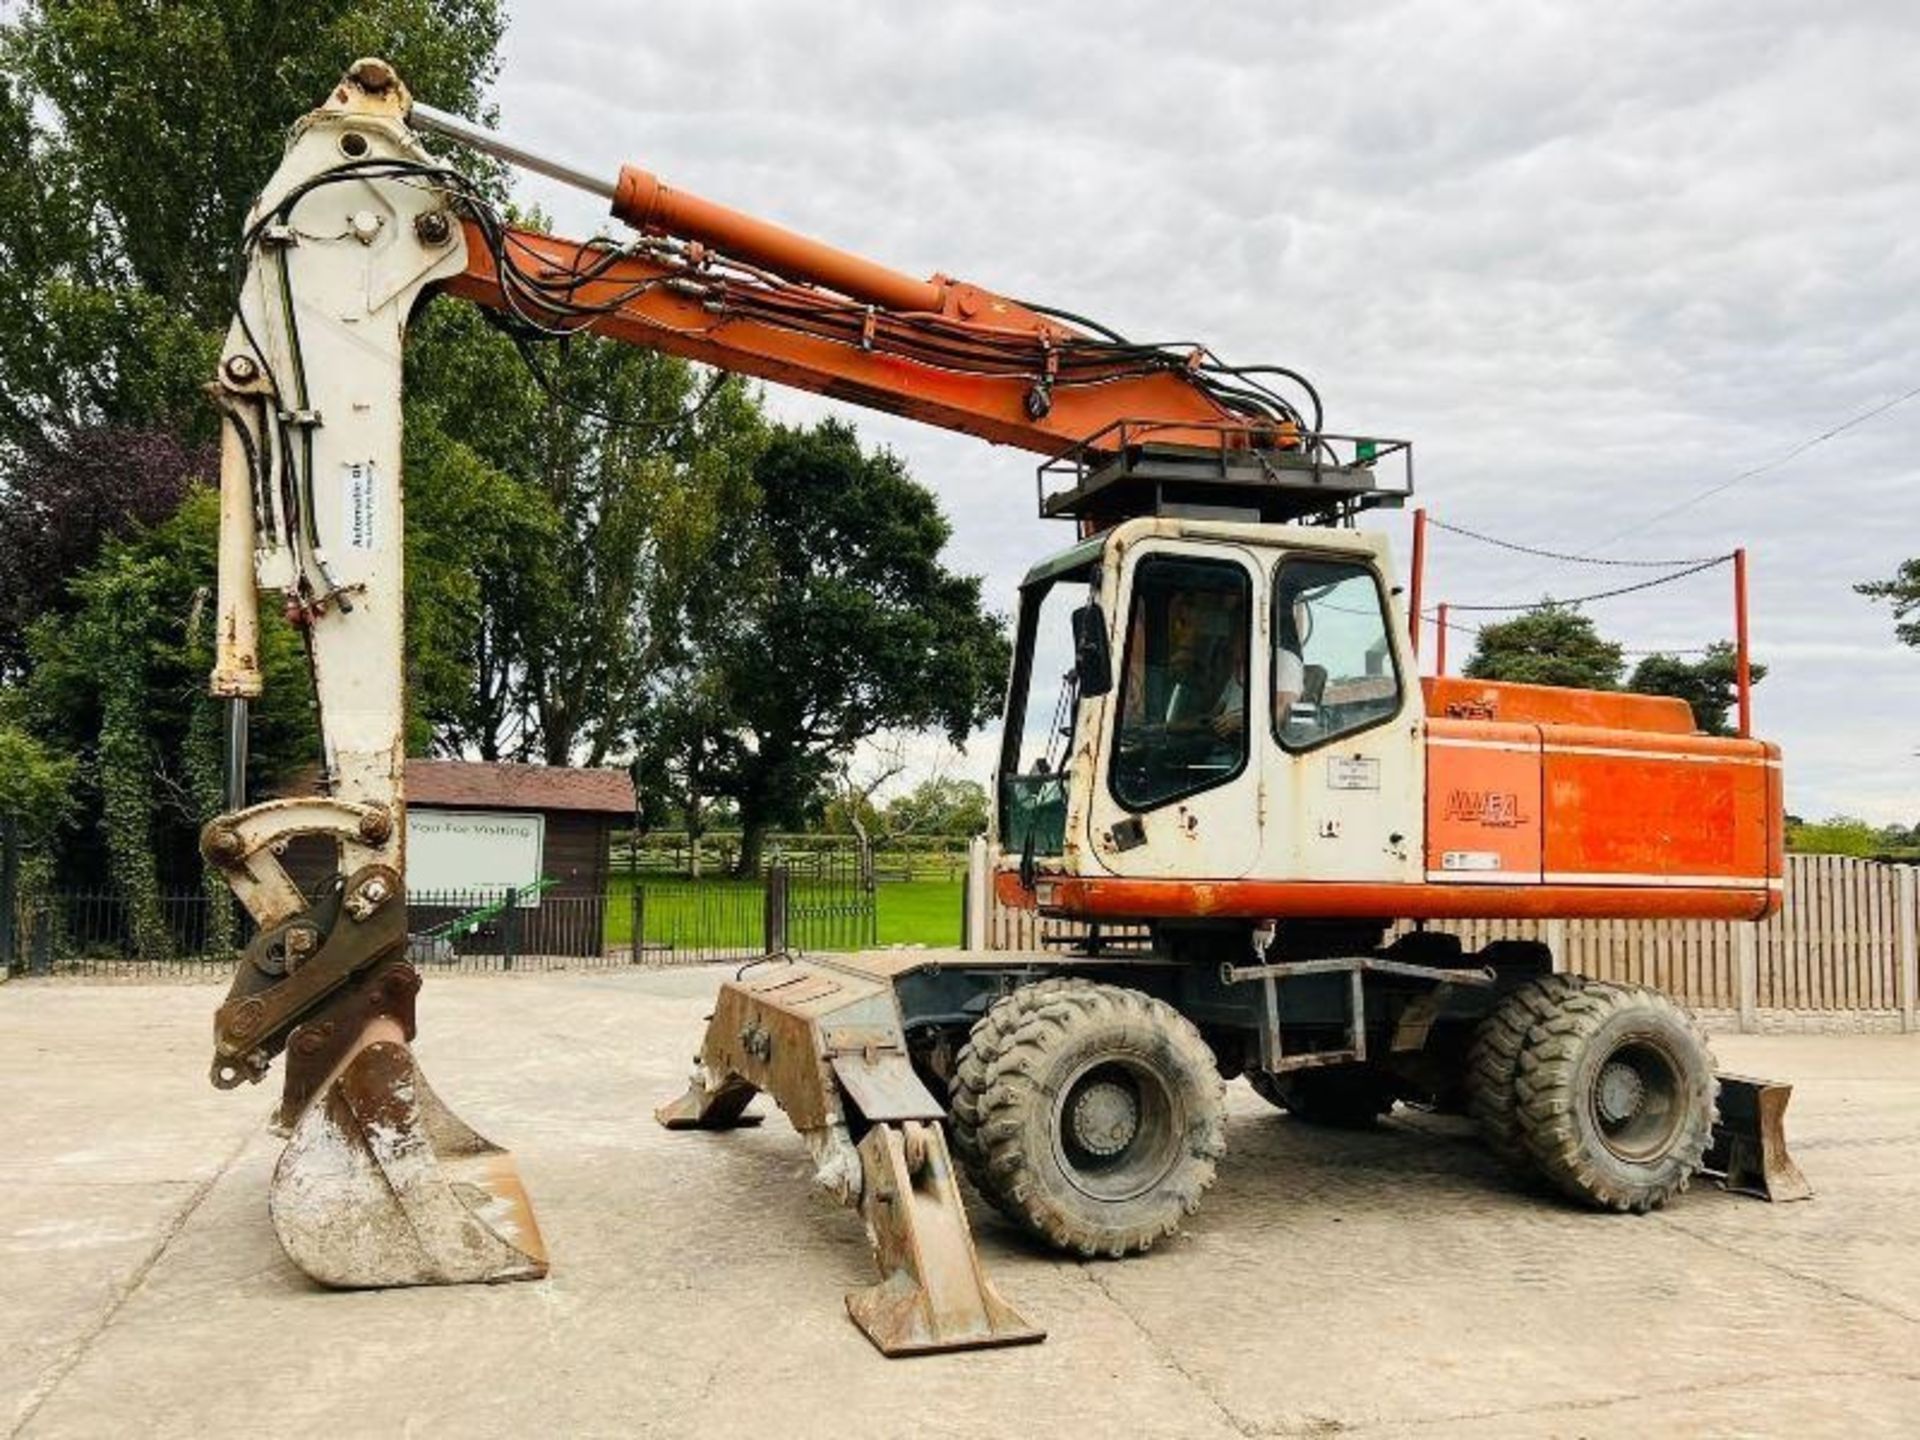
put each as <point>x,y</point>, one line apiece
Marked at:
<point>1125,471</point>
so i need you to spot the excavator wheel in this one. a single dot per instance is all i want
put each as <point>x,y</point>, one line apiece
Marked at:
<point>1091,1115</point>
<point>1494,1062</point>
<point>967,1091</point>
<point>1346,1097</point>
<point>1616,1096</point>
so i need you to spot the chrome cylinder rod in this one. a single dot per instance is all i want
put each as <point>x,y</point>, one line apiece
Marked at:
<point>236,776</point>
<point>439,122</point>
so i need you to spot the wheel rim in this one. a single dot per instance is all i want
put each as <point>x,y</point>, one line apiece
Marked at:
<point>1637,1099</point>
<point>1116,1129</point>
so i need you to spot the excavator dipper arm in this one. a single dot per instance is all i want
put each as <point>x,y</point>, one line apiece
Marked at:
<point>380,1184</point>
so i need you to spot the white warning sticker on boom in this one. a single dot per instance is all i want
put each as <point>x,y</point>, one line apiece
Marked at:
<point>360,487</point>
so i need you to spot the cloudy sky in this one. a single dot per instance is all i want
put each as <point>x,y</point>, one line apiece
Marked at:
<point>1592,260</point>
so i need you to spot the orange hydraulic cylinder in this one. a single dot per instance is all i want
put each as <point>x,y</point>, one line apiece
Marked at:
<point>642,201</point>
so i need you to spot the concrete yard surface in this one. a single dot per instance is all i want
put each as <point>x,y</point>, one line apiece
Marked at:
<point>1389,1282</point>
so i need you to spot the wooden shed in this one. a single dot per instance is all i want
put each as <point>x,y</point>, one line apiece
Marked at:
<point>477,830</point>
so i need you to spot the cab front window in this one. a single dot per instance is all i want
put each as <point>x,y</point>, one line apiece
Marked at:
<point>1183,685</point>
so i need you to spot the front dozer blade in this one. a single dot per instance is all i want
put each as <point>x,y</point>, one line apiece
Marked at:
<point>1749,1150</point>
<point>825,1040</point>
<point>381,1184</point>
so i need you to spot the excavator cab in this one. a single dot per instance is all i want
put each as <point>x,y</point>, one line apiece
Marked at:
<point>1203,700</point>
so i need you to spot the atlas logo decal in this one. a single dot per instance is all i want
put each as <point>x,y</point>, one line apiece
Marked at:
<point>1499,809</point>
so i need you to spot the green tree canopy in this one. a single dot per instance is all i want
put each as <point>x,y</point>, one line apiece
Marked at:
<point>1902,592</point>
<point>939,805</point>
<point>1710,685</point>
<point>1548,645</point>
<point>36,787</point>
<point>119,679</point>
<point>556,522</point>
<point>830,620</point>
<point>133,137</point>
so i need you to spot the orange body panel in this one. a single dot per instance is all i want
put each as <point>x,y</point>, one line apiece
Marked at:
<point>657,316</point>
<point>1540,818</point>
<point>1656,809</point>
<point>1483,800</point>
<point>1450,697</point>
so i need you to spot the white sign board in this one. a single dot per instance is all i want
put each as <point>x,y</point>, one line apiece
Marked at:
<point>470,852</point>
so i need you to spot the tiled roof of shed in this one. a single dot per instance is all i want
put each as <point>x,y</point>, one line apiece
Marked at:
<point>478,785</point>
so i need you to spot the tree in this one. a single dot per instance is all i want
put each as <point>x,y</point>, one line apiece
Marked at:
<point>132,140</point>
<point>1902,592</point>
<point>1548,645</point>
<point>133,137</point>
<point>1709,685</point>
<point>63,501</point>
<point>830,620</point>
<point>119,679</point>
<point>940,805</point>
<point>557,519</point>
<point>1836,835</point>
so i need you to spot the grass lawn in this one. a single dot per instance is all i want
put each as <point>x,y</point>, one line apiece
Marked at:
<point>724,914</point>
<point>918,912</point>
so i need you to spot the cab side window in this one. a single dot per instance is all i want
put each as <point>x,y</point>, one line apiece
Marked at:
<point>1333,665</point>
<point>1183,686</point>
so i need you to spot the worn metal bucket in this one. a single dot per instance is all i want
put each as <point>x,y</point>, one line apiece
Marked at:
<point>381,1184</point>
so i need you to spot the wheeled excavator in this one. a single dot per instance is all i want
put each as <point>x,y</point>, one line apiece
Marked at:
<point>1217,755</point>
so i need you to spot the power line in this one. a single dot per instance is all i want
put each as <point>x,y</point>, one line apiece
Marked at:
<point>1574,600</point>
<point>1534,550</point>
<point>1773,464</point>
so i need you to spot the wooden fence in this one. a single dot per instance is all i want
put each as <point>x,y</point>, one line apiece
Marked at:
<point>1841,954</point>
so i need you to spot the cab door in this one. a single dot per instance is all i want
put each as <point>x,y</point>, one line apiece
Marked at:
<point>1346,764</point>
<point>1178,794</point>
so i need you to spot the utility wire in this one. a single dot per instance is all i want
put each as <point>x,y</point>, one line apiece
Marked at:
<point>1773,464</point>
<point>1433,617</point>
<point>1574,600</point>
<point>1588,559</point>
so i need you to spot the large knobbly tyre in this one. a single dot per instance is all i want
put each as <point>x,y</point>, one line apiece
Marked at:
<point>1493,1063</point>
<point>1346,1097</point>
<point>1091,1115</point>
<point>1616,1097</point>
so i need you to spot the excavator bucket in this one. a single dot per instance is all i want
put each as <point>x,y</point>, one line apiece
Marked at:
<point>381,1184</point>
<point>1749,1151</point>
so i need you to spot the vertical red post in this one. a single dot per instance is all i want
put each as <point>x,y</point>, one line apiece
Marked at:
<point>1440,645</point>
<point>1419,575</point>
<point>1743,670</point>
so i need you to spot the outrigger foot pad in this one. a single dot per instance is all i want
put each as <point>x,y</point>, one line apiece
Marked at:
<point>709,1107</point>
<point>381,1184</point>
<point>935,1296</point>
<point>1749,1150</point>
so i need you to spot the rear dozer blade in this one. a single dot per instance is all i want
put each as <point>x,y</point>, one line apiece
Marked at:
<point>381,1184</point>
<point>1749,1151</point>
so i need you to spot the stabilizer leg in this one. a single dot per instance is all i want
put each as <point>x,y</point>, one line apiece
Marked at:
<point>710,1104</point>
<point>934,1295</point>
<point>827,1045</point>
